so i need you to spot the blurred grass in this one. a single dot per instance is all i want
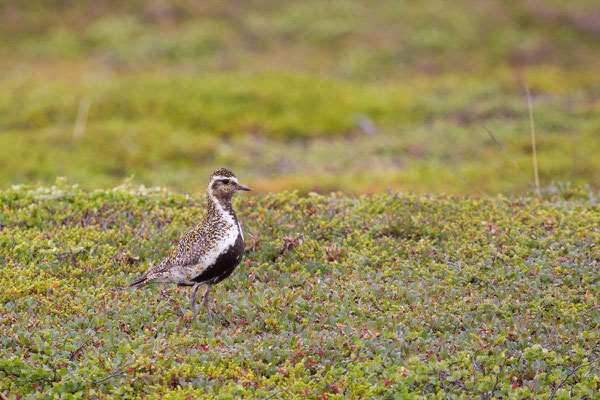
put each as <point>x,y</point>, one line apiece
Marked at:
<point>362,97</point>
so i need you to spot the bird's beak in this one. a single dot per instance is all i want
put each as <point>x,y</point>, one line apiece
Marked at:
<point>242,187</point>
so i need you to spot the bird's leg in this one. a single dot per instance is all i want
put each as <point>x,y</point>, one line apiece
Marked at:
<point>206,303</point>
<point>194,310</point>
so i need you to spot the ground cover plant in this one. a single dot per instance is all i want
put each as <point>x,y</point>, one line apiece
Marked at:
<point>387,296</point>
<point>398,96</point>
<point>282,128</point>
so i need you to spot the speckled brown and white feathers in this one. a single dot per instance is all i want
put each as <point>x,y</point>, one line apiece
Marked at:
<point>212,250</point>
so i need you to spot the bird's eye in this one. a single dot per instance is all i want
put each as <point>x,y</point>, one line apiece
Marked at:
<point>225,181</point>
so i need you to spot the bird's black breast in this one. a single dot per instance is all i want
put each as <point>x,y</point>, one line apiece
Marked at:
<point>224,265</point>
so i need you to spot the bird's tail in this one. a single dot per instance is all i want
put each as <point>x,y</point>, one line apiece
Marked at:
<point>141,281</point>
<point>150,276</point>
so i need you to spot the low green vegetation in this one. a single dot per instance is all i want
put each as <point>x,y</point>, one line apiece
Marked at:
<point>281,130</point>
<point>352,38</point>
<point>339,296</point>
<point>389,296</point>
<point>366,98</point>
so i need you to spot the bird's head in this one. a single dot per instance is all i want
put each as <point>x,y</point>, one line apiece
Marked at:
<point>223,184</point>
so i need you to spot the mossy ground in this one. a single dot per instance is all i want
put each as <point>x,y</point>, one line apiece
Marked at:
<point>389,296</point>
<point>366,98</point>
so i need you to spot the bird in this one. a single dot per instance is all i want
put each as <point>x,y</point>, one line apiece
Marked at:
<point>210,252</point>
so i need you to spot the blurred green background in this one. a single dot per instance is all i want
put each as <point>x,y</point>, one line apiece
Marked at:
<point>315,95</point>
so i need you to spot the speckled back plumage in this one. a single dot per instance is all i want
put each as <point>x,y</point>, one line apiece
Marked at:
<point>208,253</point>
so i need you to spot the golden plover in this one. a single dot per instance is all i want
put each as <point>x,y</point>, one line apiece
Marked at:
<point>210,252</point>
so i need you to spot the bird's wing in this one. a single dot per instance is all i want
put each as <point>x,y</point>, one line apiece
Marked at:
<point>187,251</point>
